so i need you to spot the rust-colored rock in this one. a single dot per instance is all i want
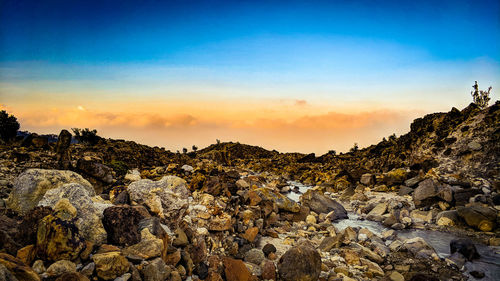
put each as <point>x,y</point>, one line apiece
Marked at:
<point>236,270</point>
<point>27,254</point>
<point>20,270</point>
<point>250,234</point>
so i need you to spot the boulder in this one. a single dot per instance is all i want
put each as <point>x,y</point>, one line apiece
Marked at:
<point>462,195</point>
<point>282,202</point>
<point>60,267</point>
<point>250,234</point>
<point>300,263</point>
<point>122,225</point>
<point>148,247</point>
<point>58,238</point>
<point>110,265</point>
<point>89,213</point>
<point>319,203</point>
<point>30,187</point>
<point>404,190</point>
<point>166,197</point>
<point>419,247</point>
<point>396,176</point>
<point>21,271</point>
<point>29,224</point>
<point>133,175</point>
<point>379,210</point>
<point>255,256</point>
<point>62,150</point>
<point>367,179</point>
<point>447,218</point>
<point>478,216</point>
<point>426,193</point>
<point>156,270</point>
<point>95,169</point>
<point>464,247</point>
<point>236,270</point>
<point>9,234</point>
<point>268,270</point>
<point>268,249</point>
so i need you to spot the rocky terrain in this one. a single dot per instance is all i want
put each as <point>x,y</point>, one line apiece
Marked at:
<point>422,206</point>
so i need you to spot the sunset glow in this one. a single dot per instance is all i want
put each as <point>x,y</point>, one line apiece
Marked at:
<point>293,77</point>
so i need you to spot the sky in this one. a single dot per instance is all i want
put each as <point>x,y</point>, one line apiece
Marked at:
<point>305,76</point>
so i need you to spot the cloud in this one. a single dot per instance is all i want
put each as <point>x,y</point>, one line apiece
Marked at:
<point>305,133</point>
<point>300,102</point>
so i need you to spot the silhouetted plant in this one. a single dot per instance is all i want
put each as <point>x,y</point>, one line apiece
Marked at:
<point>332,152</point>
<point>480,97</point>
<point>392,137</point>
<point>8,126</point>
<point>86,136</point>
<point>194,148</point>
<point>354,148</point>
<point>218,141</point>
<point>184,150</point>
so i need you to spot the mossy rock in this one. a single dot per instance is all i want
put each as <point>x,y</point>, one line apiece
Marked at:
<point>58,238</point>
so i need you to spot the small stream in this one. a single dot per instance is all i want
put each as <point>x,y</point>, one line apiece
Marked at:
<point>489,263</point>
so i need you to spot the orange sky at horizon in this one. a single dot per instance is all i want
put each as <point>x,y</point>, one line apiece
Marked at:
<point>284,125</point>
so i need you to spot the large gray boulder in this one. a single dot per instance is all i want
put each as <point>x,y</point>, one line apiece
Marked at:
<point>167,197</point>
<point>32,184</point>
<point>89,213</point>
<point>430,191</point>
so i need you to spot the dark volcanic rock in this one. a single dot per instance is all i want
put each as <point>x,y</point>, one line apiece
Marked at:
<point>29,225</point>
<point>319,203</point>
<point>462,196</point>
<point>62,150</point>
<point>268,249</point>
<point>121,224</point>
<point>464,247</point>
<point>95,169</point>
<point>300,263</point>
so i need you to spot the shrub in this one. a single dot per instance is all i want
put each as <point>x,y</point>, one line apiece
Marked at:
<point>120,167</point>
<point>8,126</point>
<point>355,147</point>
<point>86,136</point>
<point>480,97</point>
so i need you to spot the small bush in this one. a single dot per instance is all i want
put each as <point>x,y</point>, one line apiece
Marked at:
<point>354,148</point>
<point>8,126</point>
<point>480,97</point>
<point>86,136</point>
<point>120,167</point>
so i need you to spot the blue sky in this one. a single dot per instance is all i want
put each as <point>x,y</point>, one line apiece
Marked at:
<point>341,56</point>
